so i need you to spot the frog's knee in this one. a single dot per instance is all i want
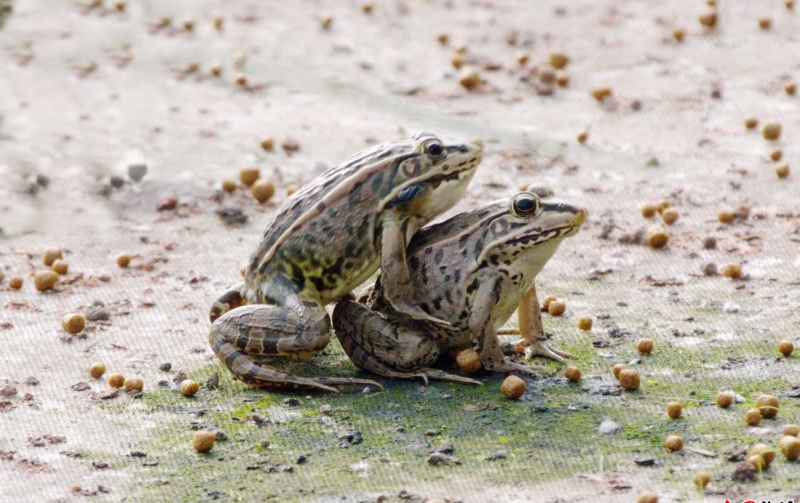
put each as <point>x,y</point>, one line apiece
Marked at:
<point>228,301</point>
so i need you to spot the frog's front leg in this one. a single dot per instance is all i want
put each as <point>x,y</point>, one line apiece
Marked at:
<point>298,330</point>
<point>387,347</point>
<point>532,330</point>
<point>481,326</point>
<point>395,273</point>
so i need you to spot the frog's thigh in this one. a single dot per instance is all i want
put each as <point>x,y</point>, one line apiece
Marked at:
<point>484,337</point>
<point>530,317</point>
<point>367,337</point>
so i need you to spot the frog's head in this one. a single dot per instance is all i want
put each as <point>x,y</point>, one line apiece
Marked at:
<point>428,177</point>
<point>526,230</point>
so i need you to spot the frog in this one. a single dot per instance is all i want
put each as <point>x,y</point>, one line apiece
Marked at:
<point>325,240</point>
<point>472,270</point>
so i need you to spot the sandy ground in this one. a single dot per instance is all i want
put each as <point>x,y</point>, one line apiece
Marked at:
<point>86,92</point>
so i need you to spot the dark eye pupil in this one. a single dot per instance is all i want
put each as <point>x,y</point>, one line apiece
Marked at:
<point>525,205</point>
<point>435,149</point>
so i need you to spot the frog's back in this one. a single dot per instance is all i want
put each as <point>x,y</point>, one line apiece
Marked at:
<point>325,232</point>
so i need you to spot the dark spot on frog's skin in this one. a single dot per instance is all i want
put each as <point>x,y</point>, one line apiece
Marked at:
<point>446,276</point>
<point>478,246</point>
<point>448,295</point>
<point>424,275</point>
<point>464,315</point>
<point>439,256</point>
<point>437,303</point>
<point>318,283</point>
<point>462,241</point>
<point>429,250</point>
<point>350,249</point>
<point>472,286</point>
<point>321,207</point>
<point>413,263</point>
<point>456,276</point>
<point>425,307</point>
<point>493,259</point>
<point>298,278</point>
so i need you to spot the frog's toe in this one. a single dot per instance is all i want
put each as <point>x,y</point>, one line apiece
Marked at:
<point>540,348</point>
<point>444,376</point>
<point>415,313</point>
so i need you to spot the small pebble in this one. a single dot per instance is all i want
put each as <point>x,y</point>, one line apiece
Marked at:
<point>710,269</point>
<point>709,243</point>
<point>165,367</point>
<point>608,427</point>
<point>290,145</point>
<point>137,171</point>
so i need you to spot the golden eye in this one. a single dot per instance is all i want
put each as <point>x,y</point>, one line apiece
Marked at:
<point>525,204</point>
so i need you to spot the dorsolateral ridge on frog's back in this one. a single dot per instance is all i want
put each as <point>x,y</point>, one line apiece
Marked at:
<point>328,238</point>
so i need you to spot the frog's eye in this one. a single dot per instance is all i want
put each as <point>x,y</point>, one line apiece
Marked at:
<point>525,204</point>
<point>434,149</point>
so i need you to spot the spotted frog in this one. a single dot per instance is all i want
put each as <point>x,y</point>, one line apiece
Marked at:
<point>473,271</point>
<point>325,240</point>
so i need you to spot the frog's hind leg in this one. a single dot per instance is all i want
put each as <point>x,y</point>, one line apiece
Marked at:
<point>268,330</point>
<point>386,347</point>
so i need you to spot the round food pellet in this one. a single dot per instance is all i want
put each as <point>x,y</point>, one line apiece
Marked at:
<point>752,417</point>
<point>116,380</point>
<point>228,185</point>
<point>556,308</point>
<point>366,8</point>
<point>60,267</point>
<point>725,399</point>
<point>15,282</point>
<point>757,462</point>
<point>203,441</point>
<point>73,323</point>
<point>785,348</point>
<point>789,4</point>
<point>248,176</point>
<point>218,22</point>
<point>647,497</point>
<point>2,275</point>
<point>782,171</point>
<point>50,255</point>
<point>325,21</point>
<point>776,155</point>
<point>751,123</point>
<point>790,88</point>
<point>268,143</point>
<point>469,78</point>
<point>733,271</point>
<point>701,479</point>
<point>765,23</point>
<point>771,131</point>
<point>619,367</point>
<point>546,302</point>
<point>674,410</point>
<point>726,216</point>
<point>189,387</point>
<point>649,210</point>
<point>559,60</point>
<point>678,34</point>
<point>562,79</point>
<point>513,387</point>
<point>656,237</point>
<point>585,323</point>
<point>443,38</point>
<point>670,216</point>
<point>645,346</point>
<point>97,370</point>
<point>768,405</point>
<point>709,20</point>
<point>44,280</point>
<point>764,452</point>
<point>263,190</point>
<point>457,61</point>
<point>790,447</point>
<point>468,361</point>
<point>629,379</point>
<point>791,430</point>
<point>573,374</point>
<point>523,58</point>
<point>673,443</point>
<point>582,137</point>
<point>602,93</point>
<point>123,260</point>
<point>133,384</point>
<point>663,205</point>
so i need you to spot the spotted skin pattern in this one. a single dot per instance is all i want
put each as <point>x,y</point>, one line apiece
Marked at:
<point>473,271</point>
<point>327,239</point>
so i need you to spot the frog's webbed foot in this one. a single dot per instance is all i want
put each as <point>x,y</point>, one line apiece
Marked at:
<point>417,314</point>
<point>506,366</point>
<point>266,374</point>
<point>543,348</point>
